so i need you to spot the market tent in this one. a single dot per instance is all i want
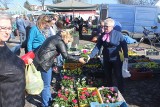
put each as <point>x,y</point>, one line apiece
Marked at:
<point>71,5</point>
<point>17,9</point>
<point>42,12</point>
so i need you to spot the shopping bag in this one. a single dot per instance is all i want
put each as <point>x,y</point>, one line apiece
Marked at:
<point>125,72</point>
<point>34,82</point>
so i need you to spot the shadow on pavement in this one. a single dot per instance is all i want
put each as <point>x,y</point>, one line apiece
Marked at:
<point>34,99</point>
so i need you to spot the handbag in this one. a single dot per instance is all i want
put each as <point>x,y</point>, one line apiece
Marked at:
<point>125,72</point>
<point>34,82</point>
<point>28,55</point>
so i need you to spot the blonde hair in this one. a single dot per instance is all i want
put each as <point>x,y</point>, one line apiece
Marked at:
<point>66,35</point>
<point>109,22</point>
<point>43,19</point>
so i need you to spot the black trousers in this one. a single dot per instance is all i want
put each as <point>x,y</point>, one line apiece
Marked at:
<point>110,68</point>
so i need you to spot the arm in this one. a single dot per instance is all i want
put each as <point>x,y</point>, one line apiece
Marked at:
<point>61,47</point>
<point>124,46</point>
<point>97,48</point>
<point>31,37</point>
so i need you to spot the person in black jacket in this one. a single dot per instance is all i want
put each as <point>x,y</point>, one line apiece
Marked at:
<point>80,24</point>
<point>45,55</point>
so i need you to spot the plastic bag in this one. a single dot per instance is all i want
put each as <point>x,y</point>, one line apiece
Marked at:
<point>125,72</point>
<point>34,82</point>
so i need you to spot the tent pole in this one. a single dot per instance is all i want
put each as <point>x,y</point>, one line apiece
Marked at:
<point>73,13</point>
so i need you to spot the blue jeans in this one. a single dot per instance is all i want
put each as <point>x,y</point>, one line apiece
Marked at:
<point>46,92</point>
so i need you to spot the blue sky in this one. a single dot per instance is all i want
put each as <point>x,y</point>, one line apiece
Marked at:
<point>50,1</point>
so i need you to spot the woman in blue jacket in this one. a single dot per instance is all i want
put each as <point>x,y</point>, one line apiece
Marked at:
<point>35,40</point>
<point>112,42</point>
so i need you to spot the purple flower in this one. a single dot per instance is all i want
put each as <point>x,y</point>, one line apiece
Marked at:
<point>109,97</point>
<point>113,100</point>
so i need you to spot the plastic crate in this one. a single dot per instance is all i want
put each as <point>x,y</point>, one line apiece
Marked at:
<point>120,97</point>
<point>72,66</point>
<point>136,75</point>
<point>152,52</point>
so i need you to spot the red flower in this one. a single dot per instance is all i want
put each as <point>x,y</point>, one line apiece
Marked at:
<point>84,89</point>
<point>94,93</point>
<point>85,51</point>
<point>83,97</point>
<point>65,98</point>
<point>87,93</point>
<point>83,92</point>
<point>66,92</point>
<point>65,77</point>
<point>74,101</point>
<point>59,95</point>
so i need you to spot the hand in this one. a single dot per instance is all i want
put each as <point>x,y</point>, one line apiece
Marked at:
<point>88,58</point>
<point>81,60</point>
<point>125,59</point>
<point>30,60</point>
<point>94,39</point>
<point>55,69</point>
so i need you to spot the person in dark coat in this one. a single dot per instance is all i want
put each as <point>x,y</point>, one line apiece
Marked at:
<point>44,60</point>
<point>112,42</point>
<point>12,70</point>
<point>80,24</point>
<point>51,48</point>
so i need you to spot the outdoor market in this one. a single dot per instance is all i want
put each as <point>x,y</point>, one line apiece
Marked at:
<point>78,54</point>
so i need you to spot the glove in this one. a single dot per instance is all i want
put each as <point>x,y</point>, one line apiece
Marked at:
<point>125,59</point>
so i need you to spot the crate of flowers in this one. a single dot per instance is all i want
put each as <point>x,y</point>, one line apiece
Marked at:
<point>87,95</point>
<point>67,82</point>
<point>151,52</point>
<point>72,66</point>
<point>110,95</point>
<point>140,73</point>
<point>65,98</point>
<point>74,72</point>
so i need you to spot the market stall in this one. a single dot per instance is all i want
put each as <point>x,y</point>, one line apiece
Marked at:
<point>82,85</point>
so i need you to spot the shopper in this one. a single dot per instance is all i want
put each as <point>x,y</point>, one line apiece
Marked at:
<point>12,69</point>
<point>44,60</point>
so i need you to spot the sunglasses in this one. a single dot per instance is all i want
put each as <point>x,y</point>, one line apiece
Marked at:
<point>54,19</point>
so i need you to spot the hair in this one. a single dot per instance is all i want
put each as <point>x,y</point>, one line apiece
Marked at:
<point>55,16</point>
<point>59,24</point>
<point>4,15</point>
<point>66,35</point>
<point>109,22</point>
<point>43,19</point>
